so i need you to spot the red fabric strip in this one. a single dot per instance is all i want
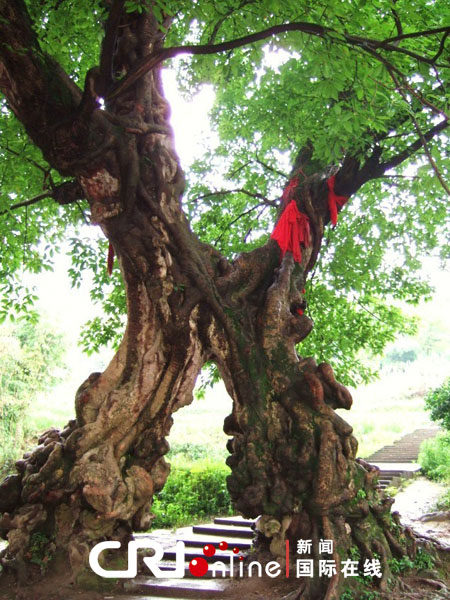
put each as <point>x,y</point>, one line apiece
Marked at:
<point>292,230</point>
<point>110,261</point>
<point>334,200</point>
<point>288,191</point>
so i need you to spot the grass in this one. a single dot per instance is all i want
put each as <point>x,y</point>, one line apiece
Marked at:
<point>434,458</point>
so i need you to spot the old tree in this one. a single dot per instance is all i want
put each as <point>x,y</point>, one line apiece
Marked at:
<point>355,93</point>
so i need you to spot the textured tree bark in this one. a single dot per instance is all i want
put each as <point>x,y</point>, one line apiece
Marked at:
<point>96,479</point>
<point>292,457</point>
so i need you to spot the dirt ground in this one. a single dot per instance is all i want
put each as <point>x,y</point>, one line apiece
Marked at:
<point>417,507</point>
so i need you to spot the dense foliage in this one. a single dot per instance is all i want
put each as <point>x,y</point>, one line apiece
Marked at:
<point>193,492</point>
<point>435,458</point>
<point>31,357</point>
<point>438,403</point>
<point>272,98</point>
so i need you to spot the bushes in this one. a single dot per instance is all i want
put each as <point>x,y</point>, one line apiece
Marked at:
<point>438,403</point>
<point>434,457</point>
<point>194,491</point>
<point>29,355</point>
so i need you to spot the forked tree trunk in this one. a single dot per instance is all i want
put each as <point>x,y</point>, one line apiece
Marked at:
<point>292,457</point>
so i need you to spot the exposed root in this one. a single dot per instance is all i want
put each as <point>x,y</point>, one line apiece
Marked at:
<point>331,593</point>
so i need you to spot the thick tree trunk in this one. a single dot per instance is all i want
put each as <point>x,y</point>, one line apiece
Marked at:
<point>292,457</point>
<point>96,479</point>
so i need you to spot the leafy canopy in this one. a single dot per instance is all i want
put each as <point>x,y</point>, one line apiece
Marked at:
<point>343,95</point>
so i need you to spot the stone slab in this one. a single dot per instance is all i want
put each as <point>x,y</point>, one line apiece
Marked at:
<point>178,588</point>
<point>224,531</point>
<point>397,466</point>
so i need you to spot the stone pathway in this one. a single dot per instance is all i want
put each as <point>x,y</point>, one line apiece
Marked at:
<point>417,507</point>
<point>235,531</point>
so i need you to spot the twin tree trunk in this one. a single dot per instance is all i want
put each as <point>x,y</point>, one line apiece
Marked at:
<point>292,458</point>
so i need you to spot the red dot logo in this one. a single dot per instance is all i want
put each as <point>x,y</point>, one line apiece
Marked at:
<point>198,567</point>
<point>236,550</point>
<point>223,546</point>
<point>241,558</point>
<point>209,550</point>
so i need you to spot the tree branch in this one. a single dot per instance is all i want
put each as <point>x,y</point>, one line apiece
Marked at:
<point>270,168</point>
<point>67,192</point>
<point>37,89</point>
<point>149,62</point>
<point>418,57</point>
<point>30,160</point>
<point>421,136</point>
<point>256,195</point>
<point>233,221</point>
<point>392,69</point>
<point>108,45</point>
<point>441,46</point>
<point>398,23</point>
<point>34,200</point>
<point>415,34</point>
<point>410,150</point>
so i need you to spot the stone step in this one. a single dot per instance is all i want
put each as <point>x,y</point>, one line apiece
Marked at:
<point>192,553</point>
<point>393,459</point>
<point>234,521</point>
<point>140,597</point>
<point>224,531</point>
<point>220,571</point>
<point>403,454</point>
<point>405,449</point>
<point>395,473</point>
<point>196,589</point>
<point>202,541</point>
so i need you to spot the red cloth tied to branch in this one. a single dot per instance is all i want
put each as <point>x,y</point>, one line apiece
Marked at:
<point>289,190</point>
<point>334,200</point>
<point>292,230</point>
<point>110,262</point>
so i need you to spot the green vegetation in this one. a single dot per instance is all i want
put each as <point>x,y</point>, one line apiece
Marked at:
<point>41,550</point>
<point>193,492</point>
<point>31,354</point>
<point>438,403</point>
<point>339,96</point>
<point>434,459</point>
<point>361,586</point>
<point>422,561</point>
<point>434,456</point>
<point>399,565</point>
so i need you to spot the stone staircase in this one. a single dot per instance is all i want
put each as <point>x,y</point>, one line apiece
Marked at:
<point>235,531</point>
<point>399,460</point>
